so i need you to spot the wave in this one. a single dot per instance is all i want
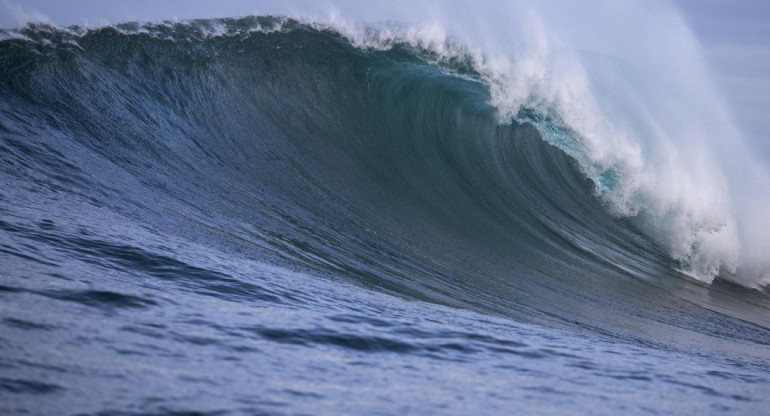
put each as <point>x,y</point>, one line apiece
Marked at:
<point>402,155</point>
<point>282,203</point>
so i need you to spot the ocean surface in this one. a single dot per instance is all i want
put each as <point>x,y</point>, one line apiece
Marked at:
<point>271,216</point>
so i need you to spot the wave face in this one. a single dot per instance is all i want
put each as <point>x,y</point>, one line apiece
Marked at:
<point>284,165</point>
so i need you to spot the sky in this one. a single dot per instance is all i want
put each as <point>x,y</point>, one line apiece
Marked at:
<point>734,36</point>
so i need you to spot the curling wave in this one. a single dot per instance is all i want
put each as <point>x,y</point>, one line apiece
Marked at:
<point>648,159</point>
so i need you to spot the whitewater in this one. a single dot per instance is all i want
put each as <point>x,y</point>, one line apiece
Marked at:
<point>411,207</point>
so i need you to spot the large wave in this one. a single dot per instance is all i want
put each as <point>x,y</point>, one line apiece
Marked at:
<point>433,108</point>
<point>288,205</point>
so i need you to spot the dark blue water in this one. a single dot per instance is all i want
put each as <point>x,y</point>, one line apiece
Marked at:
<point>278,222</point>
